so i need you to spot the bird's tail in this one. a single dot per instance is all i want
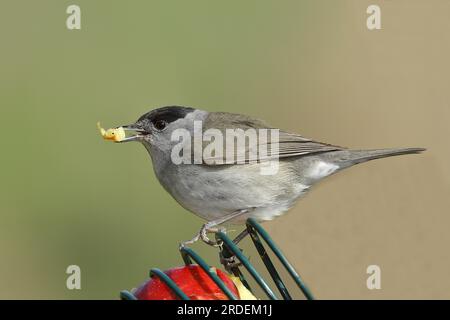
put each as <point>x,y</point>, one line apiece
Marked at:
<point>352,157</point>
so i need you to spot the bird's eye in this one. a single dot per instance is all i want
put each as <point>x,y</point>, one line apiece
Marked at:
<point>160,125</point>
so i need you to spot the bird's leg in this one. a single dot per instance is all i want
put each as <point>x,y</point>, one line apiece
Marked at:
<point>202,234</point>
<point>206,228</point>
<point>193,240</point>
<point>211,227</point>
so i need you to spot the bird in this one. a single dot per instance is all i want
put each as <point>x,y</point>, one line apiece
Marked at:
<point>229,191</point>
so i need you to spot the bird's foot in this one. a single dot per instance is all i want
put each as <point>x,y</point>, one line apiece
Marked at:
<point>203,235</point>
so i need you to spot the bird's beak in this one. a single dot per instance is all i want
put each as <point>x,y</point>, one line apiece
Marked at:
<point>137,133</point>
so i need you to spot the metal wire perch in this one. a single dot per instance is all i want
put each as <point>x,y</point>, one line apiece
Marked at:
<point>232,258</point>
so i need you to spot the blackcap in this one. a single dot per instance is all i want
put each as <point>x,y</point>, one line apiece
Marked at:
<point>232,189</point>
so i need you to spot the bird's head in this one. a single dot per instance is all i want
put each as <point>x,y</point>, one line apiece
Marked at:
<point>155,128</point>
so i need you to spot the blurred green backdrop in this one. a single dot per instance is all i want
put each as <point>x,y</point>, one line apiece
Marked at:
<point>67,197</point>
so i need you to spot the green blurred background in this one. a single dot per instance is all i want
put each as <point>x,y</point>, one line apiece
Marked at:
<point>312,67</point>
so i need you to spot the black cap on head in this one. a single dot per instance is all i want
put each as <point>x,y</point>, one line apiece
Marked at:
<point>168,114</point>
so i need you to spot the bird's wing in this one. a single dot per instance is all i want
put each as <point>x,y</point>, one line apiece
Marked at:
<point>264,147</point>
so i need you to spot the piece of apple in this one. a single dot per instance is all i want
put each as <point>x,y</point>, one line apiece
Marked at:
<point>192,280</point>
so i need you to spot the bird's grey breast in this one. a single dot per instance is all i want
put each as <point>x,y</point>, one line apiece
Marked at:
<point>212,192</point>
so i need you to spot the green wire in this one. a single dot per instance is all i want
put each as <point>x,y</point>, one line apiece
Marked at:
<point>229,243</point>
<point>191,253</point>
<point>169,282</point>
<point>127,295</point>
<point>298,280</point>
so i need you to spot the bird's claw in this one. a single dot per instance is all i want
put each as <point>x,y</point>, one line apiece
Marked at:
<point>192,241</point>
<point>203,235</point>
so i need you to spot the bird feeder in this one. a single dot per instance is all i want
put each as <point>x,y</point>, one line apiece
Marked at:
<point>233,260</point>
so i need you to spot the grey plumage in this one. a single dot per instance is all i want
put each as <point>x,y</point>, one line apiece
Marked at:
<point>347,158</point>
<point>289,144</point>
<point>214,191</point>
